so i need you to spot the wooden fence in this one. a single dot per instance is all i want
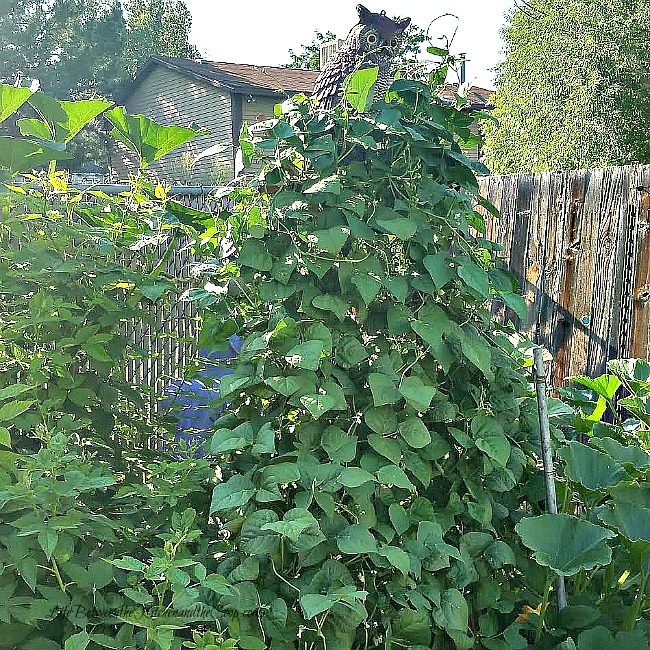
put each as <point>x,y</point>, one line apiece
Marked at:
<point>579,242</point>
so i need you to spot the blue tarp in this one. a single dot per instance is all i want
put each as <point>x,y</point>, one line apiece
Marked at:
<point>192,401</point>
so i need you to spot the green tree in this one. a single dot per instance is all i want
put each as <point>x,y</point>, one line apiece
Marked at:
<point>157,27</point>
<point>20,34</point>
<point>573,89</point>
<point>75,48</point>
<point>409,54</point>
<point>309,57</point>
<point>411,47</point>
<point>79,48</point>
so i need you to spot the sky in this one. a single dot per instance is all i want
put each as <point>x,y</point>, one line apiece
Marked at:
<point>262,32</point>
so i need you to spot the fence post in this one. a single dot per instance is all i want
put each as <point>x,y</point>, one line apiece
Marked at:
<point>547,452</point>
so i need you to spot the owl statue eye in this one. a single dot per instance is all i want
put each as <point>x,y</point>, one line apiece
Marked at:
<point>375,39</point>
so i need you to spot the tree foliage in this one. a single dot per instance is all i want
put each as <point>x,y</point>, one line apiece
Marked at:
<point>573,90</point>
<point>309,56</point>
<point>157,27</point>
<point>409,53</point>
<point>80,49</point>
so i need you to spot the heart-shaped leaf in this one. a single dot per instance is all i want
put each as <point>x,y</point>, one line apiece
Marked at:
<point>358,86</point>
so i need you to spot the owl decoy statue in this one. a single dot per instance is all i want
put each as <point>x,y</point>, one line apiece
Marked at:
<point>372,42</point>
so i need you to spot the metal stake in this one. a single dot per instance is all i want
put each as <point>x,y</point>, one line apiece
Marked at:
<point>547,452</point>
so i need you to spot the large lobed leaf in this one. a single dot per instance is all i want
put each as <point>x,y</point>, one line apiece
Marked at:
<point>22,155</point>
<point>61,120</point>
<point>148,139</point>
<point>11,99</point>
<point>591,468</point>
<point>565,543</point>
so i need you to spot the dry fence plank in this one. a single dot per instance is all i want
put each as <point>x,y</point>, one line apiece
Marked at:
<point>569,219</point>
<point>548,289</point>
<point>640,340</point>
<point>613,192</point>
<point>582,295</point>
<point>520,238</point>
<point>625,255</point>
<point>534,284</point>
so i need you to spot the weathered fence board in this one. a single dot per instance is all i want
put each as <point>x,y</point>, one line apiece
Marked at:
<point>579,243</point>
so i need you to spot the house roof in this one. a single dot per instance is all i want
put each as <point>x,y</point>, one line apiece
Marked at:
<point>478,97</point>
<point>271,80</point>
<point>238,77</point>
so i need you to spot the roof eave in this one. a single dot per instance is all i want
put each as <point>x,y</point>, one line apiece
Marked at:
<point>267,92</point>
<point>239,88</point>
<point>191,73</point>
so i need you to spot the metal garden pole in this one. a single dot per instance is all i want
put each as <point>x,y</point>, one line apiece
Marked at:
<point>547,452</point>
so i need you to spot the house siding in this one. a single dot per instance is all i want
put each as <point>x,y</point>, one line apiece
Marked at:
<point>171,98</point>
<point>474,153</point>
<point>255,106</point>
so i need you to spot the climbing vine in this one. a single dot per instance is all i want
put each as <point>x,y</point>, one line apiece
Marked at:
<point>373,442</point>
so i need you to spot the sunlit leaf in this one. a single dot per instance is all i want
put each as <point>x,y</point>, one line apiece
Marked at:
<point>145,137</point>
<point>605,385</point>
<point>67,118</point>
<point>11,99</point>
<point>21,155</point>
<point>357,87</point>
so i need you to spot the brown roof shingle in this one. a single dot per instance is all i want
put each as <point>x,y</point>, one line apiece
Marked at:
<point>240,77</point>
<point>477,96</point>
<point>272,78</point>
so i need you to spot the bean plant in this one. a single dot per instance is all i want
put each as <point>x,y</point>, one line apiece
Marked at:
<point>374,478</point>
<point>379,454</point>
